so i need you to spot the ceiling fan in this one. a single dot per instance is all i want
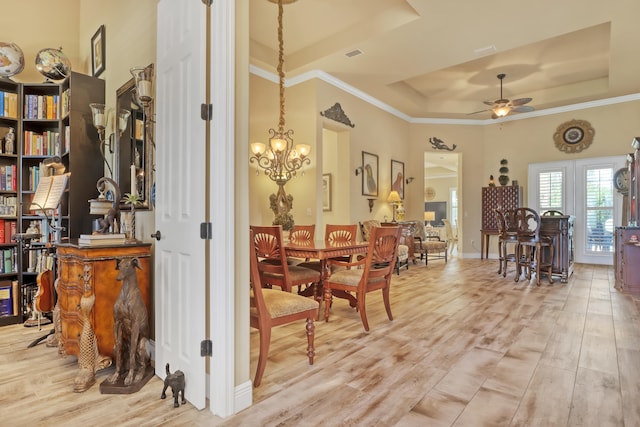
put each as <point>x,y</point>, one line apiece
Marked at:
<point>501,107</point>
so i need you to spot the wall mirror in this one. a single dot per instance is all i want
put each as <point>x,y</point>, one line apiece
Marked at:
<point>133,157</point>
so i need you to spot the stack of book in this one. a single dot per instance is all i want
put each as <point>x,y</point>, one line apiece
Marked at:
<point>101,239</point>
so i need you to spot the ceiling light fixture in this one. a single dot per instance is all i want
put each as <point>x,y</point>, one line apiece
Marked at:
<point>501,107</point>
<point>280,159</point>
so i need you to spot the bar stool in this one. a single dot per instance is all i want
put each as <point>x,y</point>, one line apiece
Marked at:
<point>529,249</point>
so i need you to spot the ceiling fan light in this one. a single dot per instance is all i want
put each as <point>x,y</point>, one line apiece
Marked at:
<point>501,110</point>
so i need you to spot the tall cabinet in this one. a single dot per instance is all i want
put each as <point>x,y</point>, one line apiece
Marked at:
<point>627,254</point>
<point>52,119</point>
<point>504,198</point>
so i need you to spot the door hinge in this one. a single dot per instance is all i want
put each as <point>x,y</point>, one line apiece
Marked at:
<point>206,348</point>
<point>206,231</point>
<point>206,111</point>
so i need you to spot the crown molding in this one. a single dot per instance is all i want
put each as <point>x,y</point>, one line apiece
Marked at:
<point>327,78</point>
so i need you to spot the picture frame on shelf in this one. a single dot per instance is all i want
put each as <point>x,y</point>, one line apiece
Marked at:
<point>326,192</point>
<point>397,177</point>
<point>98,52</point>
<point>369,174</point>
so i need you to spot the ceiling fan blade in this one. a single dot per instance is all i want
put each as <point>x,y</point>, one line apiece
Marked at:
<point>523,109</point>
<point>481,111</point>
<point>521,101</point>
<point>489,102</point>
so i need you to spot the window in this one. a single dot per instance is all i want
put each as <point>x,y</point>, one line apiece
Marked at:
<point>453,194</point>
<point>551,190</point>
<point>599,209</point>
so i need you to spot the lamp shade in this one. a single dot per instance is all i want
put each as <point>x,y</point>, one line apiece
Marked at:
<point>394,197</point>
<point>429,216</point>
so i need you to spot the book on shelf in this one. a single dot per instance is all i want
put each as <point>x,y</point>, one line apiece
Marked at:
<point>15,285</point>
<point>6,298</point>
<point>49,192</point>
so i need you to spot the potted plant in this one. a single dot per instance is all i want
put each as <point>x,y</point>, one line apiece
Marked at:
<point>131,199</point>
<point>504,170</point>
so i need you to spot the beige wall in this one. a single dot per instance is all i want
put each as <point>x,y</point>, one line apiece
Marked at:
<point>481,147</point>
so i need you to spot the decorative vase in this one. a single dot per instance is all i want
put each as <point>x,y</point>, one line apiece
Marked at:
<point>503,180</point>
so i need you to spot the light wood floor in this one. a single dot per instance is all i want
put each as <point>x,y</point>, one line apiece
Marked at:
<point>466,348</point>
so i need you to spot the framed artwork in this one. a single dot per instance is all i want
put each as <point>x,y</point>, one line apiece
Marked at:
<point>397,177</point>
<point>326,192</point>
<point>369,174</point>
<point>98,52</point>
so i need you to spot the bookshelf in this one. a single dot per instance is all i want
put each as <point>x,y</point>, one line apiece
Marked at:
<point>52,120</point>
<point>10,129</point>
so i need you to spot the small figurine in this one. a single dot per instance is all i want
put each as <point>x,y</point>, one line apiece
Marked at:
<point>491,181</point>
<point>176,382</point>
<point>10,141</point>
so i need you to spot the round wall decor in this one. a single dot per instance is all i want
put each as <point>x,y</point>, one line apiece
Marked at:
<point>574,136</point>
<point>429,193</point>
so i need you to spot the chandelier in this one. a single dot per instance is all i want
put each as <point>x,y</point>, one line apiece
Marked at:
<point>280,159</point>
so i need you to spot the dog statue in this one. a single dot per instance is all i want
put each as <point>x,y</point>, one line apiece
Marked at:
<point>176,382</point>
<point>130,326</point>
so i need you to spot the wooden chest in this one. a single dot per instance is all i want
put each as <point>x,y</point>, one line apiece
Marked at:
<point>93,270</point>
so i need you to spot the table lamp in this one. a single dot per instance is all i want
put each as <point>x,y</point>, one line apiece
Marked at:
<point>394,199</point>
<point>429,216</point>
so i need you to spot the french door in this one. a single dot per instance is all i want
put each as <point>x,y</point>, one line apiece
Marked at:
<point>582,188</point>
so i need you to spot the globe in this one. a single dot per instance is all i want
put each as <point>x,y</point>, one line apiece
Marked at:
<point>53,64</point>
<point>11,59</point>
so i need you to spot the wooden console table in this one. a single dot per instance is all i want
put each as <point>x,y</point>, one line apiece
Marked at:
<point>91,271</point>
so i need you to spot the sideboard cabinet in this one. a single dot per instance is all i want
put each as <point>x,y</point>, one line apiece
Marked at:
<point>91,271</point>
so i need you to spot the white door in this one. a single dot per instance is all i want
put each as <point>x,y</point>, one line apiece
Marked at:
<point>582,188</point>
<point>180,199</point>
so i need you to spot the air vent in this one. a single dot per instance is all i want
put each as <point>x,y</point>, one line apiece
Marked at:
<point>353,53</point>
<point>487,50</point>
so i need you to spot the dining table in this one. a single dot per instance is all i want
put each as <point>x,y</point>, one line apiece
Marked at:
<point>324,250</point>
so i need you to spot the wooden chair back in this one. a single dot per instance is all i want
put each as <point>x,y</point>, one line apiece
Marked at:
<point>267,244</point>
<point>337,234</point>
<point>302,233</point>
<point>528,223</point>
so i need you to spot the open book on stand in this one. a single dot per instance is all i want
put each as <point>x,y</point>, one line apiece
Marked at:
<point>49,192</point>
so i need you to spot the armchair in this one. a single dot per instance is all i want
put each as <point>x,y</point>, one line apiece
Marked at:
<point>428,246</point>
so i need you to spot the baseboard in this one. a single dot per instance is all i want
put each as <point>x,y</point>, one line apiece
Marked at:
<point>243,396</point>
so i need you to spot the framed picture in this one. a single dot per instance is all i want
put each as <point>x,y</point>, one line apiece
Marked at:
<point>397,177</point>
<point>326,192</point>
<point>98,52</point>
<point>369,174</point>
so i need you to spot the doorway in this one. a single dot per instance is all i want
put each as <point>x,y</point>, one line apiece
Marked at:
<point>582,188</point>
<point>335,170</point>
<point>442,191</point>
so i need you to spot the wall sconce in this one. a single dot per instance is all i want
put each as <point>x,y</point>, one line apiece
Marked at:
<point>371,204</point>
<point>143,78</point>
<point>409,180</point>
<point>102,121</point>
<point>394,199</point>
<point>359,170</point>
<point>429,216</point>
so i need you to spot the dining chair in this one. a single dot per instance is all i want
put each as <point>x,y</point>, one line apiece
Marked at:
<point>367,274</point>
<point>507,235</point>
<point>336,235</point>
<point>529,249</point>
<point>276,271</point>
<point>270,308</point>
